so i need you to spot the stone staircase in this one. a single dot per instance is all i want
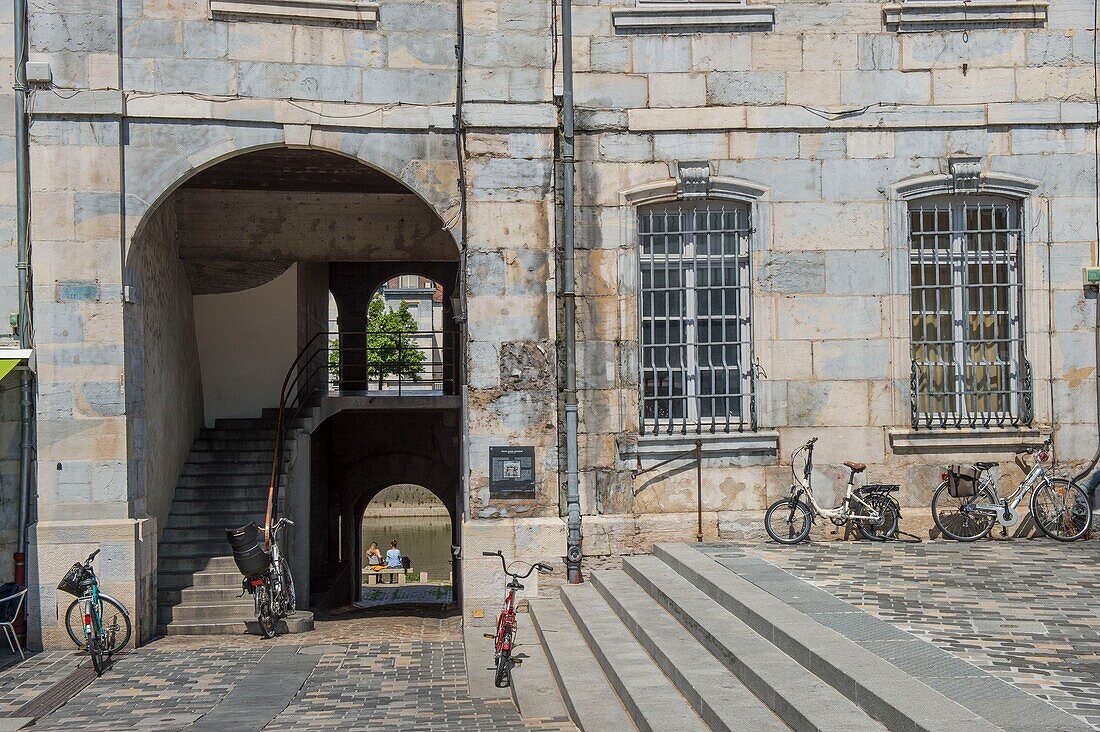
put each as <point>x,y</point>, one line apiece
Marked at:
<point>680,641</point>
<point>223,484</point>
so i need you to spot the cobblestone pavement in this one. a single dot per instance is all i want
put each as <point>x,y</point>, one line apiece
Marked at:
<point>377,673</point>
<point>1025,611</point>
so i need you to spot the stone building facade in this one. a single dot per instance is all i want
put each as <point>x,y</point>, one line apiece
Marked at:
<point>849,220</point>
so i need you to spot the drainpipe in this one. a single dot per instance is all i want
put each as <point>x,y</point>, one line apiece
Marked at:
<point>22,224</point>
<point>569,292</point>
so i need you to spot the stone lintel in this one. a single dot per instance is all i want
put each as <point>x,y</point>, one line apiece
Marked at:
<point>759,447</point>
<point>333,11</point>
<point>89,103</point>
<point>684,17</point>
<point>504,116</point>
<point>918,16</point>
<point>905,440</point>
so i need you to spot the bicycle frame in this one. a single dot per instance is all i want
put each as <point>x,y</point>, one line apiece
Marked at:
<point>1012,501</point>
<point>93,623</point>
<point>506,620</point>
<point>840,512</point>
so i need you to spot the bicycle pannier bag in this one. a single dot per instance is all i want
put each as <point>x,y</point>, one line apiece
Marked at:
<point>248,550</point>
<point>962,481</point>
<point>71,581</point>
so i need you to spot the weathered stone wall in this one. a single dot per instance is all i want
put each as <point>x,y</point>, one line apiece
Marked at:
<point>829,250</point>
<point>164,394</point>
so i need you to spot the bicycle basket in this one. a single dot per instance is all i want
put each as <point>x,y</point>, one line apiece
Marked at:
<point>71,581</point>
<point>962,481</point>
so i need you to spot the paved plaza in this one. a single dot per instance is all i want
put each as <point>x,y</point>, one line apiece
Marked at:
<point>400,672</point>
<point>1025,611</point>
<point>1022,611</point>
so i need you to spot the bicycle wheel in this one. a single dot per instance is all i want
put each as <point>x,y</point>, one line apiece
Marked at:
<point>887,525</point>
<point>1061,509</point>
<point>788,521</point>
<point>288,587</point>
<point>264,614</point>
<point>503,658</point>
<point>958,518</point>
<point>95,650</point>
<point>116,621</point>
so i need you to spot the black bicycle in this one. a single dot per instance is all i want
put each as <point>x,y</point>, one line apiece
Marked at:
<point>266,574</point>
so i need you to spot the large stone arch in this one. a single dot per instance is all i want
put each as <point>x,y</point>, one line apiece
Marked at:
<point>157,168</point>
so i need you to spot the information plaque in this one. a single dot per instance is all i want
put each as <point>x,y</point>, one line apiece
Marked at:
<point>511,472</point>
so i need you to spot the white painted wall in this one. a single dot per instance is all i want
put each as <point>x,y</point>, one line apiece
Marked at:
<point>247,340</point>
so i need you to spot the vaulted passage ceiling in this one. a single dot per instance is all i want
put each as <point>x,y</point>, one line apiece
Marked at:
<point>285,169</point>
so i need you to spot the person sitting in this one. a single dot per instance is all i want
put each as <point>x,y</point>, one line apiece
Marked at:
<point>374,556</point>
<point>393,559</point>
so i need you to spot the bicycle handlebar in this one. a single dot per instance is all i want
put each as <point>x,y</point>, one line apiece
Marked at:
<point>544,568</point>
<point>92,556</point>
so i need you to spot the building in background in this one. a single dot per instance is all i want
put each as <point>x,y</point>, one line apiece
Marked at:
<point>859,222</point>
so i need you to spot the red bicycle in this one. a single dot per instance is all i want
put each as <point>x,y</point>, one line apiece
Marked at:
<point>505,638</point>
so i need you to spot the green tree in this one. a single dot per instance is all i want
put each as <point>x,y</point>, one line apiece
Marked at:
<point>390,349</point>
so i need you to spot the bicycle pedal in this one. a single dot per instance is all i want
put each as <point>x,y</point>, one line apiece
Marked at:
<point>490,635</point>
<point>517,661</point>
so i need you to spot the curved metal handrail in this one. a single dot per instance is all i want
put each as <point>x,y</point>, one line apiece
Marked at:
<point>280,430</point>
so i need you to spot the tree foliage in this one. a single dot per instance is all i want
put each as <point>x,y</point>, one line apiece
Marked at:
<point>391,351</point>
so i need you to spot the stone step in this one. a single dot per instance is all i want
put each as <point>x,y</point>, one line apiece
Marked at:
<point>214,521</point>
<point>193,501</point>
<point>300,622</point>
<point>190,563</point>
<point>587,693</point>
<point>199,534</point>
<point>219,482</point>
<point>714,693</point>
<point>250,434</point>
<point>794,693</point>
<point>260,468</point>
<point>203,446</point>
<point>201,595</point>
<point>649,697</point>
<point>245,423</point>
<point>169,550</point>
<point>175,581</point>
<point>217,613</point>
<point>885,692</point>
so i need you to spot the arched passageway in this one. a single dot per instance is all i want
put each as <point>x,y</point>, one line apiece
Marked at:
<point>420,524</point>
<point>233,275</point>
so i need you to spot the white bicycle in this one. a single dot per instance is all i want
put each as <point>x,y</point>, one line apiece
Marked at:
<point>871,508</point>
<point>965,506</point>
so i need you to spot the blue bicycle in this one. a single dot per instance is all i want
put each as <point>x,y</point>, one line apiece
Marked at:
<point>96,622</point>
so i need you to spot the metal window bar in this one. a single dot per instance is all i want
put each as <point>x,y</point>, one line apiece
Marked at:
<point>694,318</point>
<point>966,312</point>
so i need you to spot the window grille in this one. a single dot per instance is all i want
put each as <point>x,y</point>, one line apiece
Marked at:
<point>967,305</point>
<point>695,313</point>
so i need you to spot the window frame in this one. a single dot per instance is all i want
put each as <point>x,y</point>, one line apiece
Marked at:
<point>961,256</point>
<point>688,261</point>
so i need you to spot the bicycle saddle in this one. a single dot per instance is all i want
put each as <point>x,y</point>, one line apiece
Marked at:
<point>855,467</point>
<point>985,466</point>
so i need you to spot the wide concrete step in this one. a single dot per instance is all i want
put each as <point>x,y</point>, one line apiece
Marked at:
<point>227,594</point>
<point>205,446</point>
<point>233,467</point>
<point>650,698</point>
<point>217,613</point>
<point>212,503</point>
<point>792,691</point>
<point>169,550</point>
<point>194,564</point>
<point>300,622</point>
<point>200,534</point>
<point>717,695</point>
<point>885,692</point>
<point>169,580</point>
<point>251,433</point>
<point>219,482</point>
<point>244,423</point>
<point>213,520</point>
<point>587,693</point>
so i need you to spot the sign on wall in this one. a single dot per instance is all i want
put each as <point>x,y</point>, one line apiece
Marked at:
<point>511,472</point>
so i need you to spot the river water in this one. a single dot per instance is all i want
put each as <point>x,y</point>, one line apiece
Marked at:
<point>424,539</point>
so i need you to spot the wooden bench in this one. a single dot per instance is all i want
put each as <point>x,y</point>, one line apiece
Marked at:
<point>372,576</point>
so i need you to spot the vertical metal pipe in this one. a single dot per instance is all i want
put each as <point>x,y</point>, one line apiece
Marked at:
<point>572,498</point>
<point>22,225</point>
<point>699,488</point>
